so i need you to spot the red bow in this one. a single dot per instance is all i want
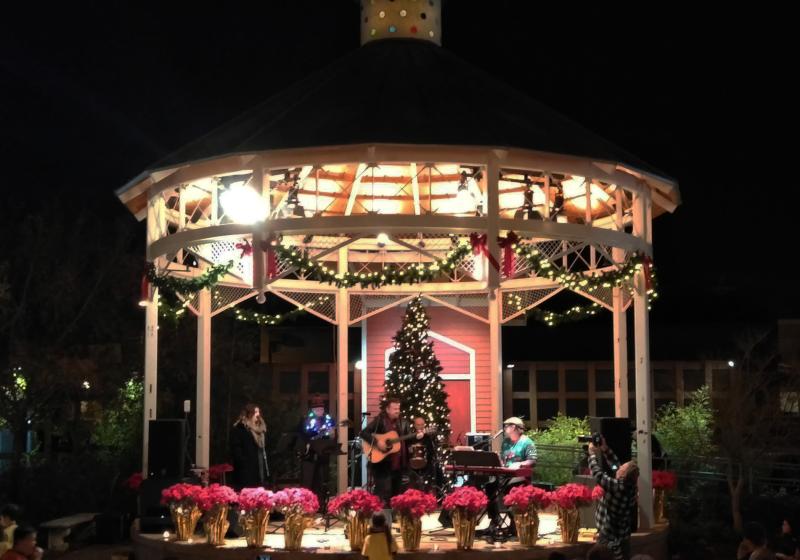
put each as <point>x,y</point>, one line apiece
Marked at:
<point>272,260</point>
<point>648,273</point>
<point>245,247</point>
<point>478,242</point>
<point>507,244</point>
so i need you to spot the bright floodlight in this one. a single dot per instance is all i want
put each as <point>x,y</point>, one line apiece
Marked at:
<point>243,204</point>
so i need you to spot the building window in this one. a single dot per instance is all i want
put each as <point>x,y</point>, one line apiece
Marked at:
<point>659,403</point>
<point>577,381</point>
<point>318,382</point>
<point>578,408</point>
<point>693,379</point>
<point>603,380</point>
<point>790,402</point>
<point>547,409</point>
<point>521,408</point>
<point>546,381</point>
<point>520,381</point>
<point>664,380</point>
<point>721,379</point>
<point>604,407</point>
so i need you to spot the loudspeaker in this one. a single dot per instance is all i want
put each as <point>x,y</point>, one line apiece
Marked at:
<point>166,450</point>
<point>618,434</point>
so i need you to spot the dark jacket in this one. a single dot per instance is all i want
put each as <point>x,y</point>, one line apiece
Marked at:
<point>380,425</point>
<point>249,460</point>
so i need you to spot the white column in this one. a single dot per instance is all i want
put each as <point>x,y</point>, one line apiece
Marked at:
<point>342,325</point>
<point>150,373</point>
<point>493,289</point>
<point>644,408</point>
<point>203,400</point>
<point>620,320</point>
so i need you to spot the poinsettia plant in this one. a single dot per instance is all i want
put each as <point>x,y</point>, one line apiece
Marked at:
<point>296,501</point>
<point>571,496</point>
<point>215,495</point>
<point>523,498</point>
<point>216,472</point>
<point>255,498</point>
<point>467,498</point>
<point>356,502</point>
<point>134,481</point>
<point>597,493</point>
<point>181,494</point>
<point>413,503</point>
<point>665,480</point>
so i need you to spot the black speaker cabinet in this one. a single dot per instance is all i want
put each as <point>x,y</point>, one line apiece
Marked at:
<point>166,450</point>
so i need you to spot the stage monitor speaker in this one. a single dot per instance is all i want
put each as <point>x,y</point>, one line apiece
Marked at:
<point>166,449</point>
<point>618,434</point>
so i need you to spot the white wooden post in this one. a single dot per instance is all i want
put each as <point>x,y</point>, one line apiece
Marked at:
<point>493,288</point>
<point>150,374</point>
<point>203,400</point>
<point>342,326</point>
<point>620,320</point>
<point>644,407</point>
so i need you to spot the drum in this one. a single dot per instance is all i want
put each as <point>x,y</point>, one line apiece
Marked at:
<point>417,456</point>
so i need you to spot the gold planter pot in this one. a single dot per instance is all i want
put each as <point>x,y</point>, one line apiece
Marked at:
<point>185,519</point>
<point>294,528</point>
<point>464,525</point>
<point>255,523</point>
<point>216,524</point>
<point>411,531</point>
<point>357,527</point>
<point>569,522</point>
<point>527,522</point>
<point>659,503</point>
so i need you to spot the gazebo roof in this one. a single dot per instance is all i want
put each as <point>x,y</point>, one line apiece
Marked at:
<point>402,92</point>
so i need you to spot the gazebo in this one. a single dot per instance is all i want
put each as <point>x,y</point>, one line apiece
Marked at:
<point>399,171</point>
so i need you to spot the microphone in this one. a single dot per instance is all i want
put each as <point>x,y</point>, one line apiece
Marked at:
<point>500,431</point>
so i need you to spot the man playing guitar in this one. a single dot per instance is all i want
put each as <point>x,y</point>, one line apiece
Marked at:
<point>387,473</point>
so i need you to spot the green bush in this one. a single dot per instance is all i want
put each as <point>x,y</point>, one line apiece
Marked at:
<point>687,431</point>
<point>557,465</point>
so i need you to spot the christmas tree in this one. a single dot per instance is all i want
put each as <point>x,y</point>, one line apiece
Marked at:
<point>413,374</point>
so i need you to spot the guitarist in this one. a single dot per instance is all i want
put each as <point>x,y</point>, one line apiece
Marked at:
<point>387,474</point>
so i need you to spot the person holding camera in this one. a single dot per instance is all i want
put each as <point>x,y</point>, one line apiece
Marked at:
<point>615,509</point>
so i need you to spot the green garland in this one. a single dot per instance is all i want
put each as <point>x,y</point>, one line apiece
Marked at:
<point>388,275</point>
<point>208,279</point>
<point>622,277</point>
<point>264,319</point>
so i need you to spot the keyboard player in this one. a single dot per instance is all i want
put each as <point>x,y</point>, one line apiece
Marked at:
<point>517,450</point>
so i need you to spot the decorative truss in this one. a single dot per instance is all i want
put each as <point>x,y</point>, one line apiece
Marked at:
<point>519,302</point>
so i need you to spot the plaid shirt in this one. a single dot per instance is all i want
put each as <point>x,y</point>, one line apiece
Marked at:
<point>615,508</point>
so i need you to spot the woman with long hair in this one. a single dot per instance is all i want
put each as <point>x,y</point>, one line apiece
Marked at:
<point>249,449</point>
<point>379,544</point>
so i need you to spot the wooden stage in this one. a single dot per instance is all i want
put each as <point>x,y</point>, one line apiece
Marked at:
<point>435,540</point>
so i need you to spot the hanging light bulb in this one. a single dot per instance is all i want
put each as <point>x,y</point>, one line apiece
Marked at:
<point>382,240</point>
<point>242,203</point>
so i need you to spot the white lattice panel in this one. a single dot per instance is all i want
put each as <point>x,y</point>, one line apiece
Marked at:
<point>605,297</point>
<point>321,304</point>
<point>223,297</point>
<point>363,305</point>
<point>474,304</point>
<point>517,302</point>
<point>224,251</point>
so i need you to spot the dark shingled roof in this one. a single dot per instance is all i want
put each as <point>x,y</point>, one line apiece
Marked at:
<point>403,92</point>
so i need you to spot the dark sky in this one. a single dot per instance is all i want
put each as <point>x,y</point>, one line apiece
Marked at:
<point>92,94</point>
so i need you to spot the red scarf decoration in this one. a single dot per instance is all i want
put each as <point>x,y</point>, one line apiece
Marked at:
<point>507,244</point>
<point>478,242</point>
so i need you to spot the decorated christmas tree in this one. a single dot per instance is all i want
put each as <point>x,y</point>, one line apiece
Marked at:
<point>413,374</point>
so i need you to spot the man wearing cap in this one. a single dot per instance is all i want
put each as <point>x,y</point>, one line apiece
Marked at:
<point>316,425</point>
<point>518,450</point>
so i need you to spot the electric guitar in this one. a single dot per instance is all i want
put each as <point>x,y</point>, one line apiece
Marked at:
<point>384,445</point>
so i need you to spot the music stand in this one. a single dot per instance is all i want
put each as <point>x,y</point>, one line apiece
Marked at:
<point>476,459</point>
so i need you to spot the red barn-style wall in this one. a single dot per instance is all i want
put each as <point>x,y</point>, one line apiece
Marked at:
<point>458,341</point>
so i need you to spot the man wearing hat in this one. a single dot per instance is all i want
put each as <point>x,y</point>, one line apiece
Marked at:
<point>518,450</point>
<point>317,425</point>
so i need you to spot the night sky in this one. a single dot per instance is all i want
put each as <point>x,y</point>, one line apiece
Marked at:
<point>91,95</point>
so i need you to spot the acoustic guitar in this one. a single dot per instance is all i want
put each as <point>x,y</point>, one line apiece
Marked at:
<point>389,442</point>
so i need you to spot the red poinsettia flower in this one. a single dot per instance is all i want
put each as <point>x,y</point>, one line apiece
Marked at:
<point>468,498</point>
<point>255,498</point>
<point>665,480</point>
<point>571,496</point>
<point>215,472</point>
<point>216,494</point>
<point>414,503</point>
<point>181,494</point>
<point>296,500</point>
<point>597,493</point>
<point>356,501</point>
<point>522,498</point>
<point>134,482</point>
